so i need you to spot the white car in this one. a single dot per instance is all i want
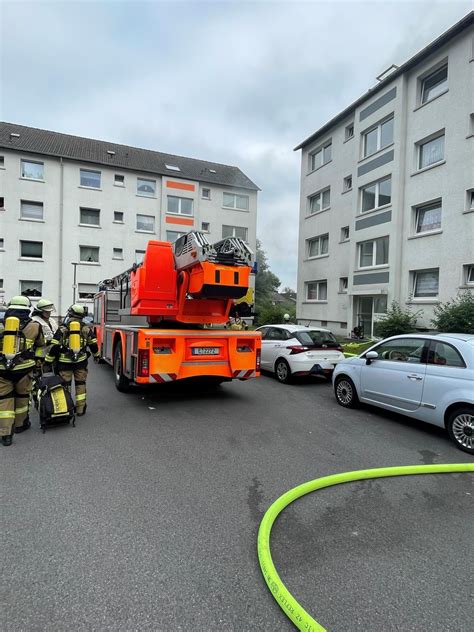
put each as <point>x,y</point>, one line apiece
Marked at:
<point>428,377</point>
<point>293,350</point>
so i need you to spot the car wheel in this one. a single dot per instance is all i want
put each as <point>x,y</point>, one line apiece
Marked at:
<point>283,371</point>
<point>460,427</point>
<point>345,391</point>
<point>122,383</point>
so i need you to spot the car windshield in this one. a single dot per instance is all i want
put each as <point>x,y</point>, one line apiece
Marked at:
<point>314,338</point>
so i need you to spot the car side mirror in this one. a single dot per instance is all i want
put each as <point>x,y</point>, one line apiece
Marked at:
<point>371,355</point>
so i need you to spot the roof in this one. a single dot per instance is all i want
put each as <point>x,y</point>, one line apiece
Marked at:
<point>40,141</point>
<point>445,37</point>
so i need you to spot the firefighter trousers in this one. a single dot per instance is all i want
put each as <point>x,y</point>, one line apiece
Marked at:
<point>80,379</point>
<point>14,400</point>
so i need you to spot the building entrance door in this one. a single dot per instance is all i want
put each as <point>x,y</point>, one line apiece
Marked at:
<point>365,314</point>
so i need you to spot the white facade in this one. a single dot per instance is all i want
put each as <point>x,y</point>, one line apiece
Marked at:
<point>427,214</point>
<point>103,217</point>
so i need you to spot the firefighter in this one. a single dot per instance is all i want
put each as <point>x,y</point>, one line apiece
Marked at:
<point>69,352</point>
<point>42,314</point>
<point>21,345</point>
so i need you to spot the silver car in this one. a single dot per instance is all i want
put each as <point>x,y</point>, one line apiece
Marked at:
<point>428,377</point>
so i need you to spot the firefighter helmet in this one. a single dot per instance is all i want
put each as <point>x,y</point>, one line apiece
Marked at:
<point>76,311</point>
<point>19,302</point>
<point>43,305</point>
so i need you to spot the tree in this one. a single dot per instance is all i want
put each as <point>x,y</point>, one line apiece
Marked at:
<point>265,281</point>
<point>456,315</point>
<point>397,321</point>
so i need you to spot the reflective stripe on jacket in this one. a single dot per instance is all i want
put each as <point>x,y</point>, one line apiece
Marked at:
<point>31,347</point>
<point>60,351</point>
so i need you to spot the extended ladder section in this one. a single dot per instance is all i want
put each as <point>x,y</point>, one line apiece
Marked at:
<point>191,281</point>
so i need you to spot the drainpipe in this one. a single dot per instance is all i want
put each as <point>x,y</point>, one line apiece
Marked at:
<point>60,249</point>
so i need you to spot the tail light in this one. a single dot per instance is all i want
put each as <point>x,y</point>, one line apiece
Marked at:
<point>298,349</point>
<point>258,359</point>
<point>143,362</point>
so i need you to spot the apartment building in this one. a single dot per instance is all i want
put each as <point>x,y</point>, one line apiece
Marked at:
<point>75,211</point>
<point>387,193</point>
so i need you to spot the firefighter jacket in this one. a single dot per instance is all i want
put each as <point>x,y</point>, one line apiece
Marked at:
<point>61,353</point>
<point>49,328</point>
<point>31,345</point>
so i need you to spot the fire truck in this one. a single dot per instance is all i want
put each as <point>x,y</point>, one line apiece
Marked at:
<point>163,319</point>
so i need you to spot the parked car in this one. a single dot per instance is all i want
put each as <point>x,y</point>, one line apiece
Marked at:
<point>293,350</point>
<point>428,377</point>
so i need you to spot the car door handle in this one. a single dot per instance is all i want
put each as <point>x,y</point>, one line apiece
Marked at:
<point>414,377</point>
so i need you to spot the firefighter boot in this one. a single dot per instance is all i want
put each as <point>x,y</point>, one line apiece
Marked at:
<point>7,439</point>
<point>26,425</point>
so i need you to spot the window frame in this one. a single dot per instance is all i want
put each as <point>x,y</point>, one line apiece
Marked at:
<point>319,240</point>
<point>204,197</point>
<point>40,283</point>
<point>82,298</point>
<point>427,206</point>
<point>319,194</point>
<point>378,127</point>
<point>422,143</point>
<point>119,221</point>
<point>347,128</point>
<point>88,186</point>
<point>179,211</point>
<point>432,347</point>
<point>347,183</point>
<point>343,286</point>
<point>32,203</point>
<point>86,208</point>
<point>24,161</point>
<point>375,247</point>
<point>144,193</point>
<point>208,229</point>
<point>114,255</point>
<point>318,283</point>
<point>97,248</point>
<point>245,228</point>
<point>433,71</point>
<point>343,229</point>
<point>31,257</point>
<point>319,150</point>
<point>430,297</point>
<point>119,183</point>
<point>234,207</point>
<point>144,230</point>
<point>423,355</point>
<point>376,183</point>
<point>468,270</point>
<point>177,232</point>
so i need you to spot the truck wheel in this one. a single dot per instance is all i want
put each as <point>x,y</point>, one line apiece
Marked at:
<point>122,383</point>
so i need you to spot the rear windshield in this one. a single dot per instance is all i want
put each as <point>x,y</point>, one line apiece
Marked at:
<point>316,338</point>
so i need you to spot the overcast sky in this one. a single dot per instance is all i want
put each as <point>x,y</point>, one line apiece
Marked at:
<point>235,82</point>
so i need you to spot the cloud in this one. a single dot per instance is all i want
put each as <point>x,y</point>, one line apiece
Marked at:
<point>236,82</point>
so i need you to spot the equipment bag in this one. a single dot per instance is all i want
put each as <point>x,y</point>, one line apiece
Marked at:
<point>55,404</point>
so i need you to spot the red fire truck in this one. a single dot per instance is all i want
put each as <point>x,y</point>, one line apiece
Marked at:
<point>163,319</point>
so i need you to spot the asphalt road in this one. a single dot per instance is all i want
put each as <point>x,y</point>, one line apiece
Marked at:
<point>144,517</point>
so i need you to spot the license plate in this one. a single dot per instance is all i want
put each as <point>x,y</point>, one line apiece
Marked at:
<point>200,351</point>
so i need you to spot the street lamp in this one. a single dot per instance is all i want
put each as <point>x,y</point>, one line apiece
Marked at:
<point>74,284</point>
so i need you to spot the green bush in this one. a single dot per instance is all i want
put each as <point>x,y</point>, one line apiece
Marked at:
<point>356,348</point>
<point>456,315</point>
<point>273,315</point>
<point>397,321</point>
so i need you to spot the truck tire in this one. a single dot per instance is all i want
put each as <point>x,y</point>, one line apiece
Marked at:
<point>122,383</point>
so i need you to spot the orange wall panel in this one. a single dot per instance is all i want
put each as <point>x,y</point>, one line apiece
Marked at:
<point>171,184</point>
<point>183,221</point>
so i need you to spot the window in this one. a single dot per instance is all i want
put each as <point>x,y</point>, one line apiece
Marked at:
<point>320,201</point>
<point>343,283</point>
<point>2,243</point>
<point>206,194</point>
<point>273,333</point>
<point>89,216</point>
<point>444,354</point>
<point>206,227</point>
<point>347,183</point>
<point>2,162</point>
<point>32,170</point>
<point>345,233</point>
<point>2,204</point>
<point>1,285</point>
<point>31,210</point>
<point>118,217</point>
<point>426,283</point>
<point>318,246</point>
<point>373,253</point>
<point>173,235</point>
<point>31,288</point>
<point>317,291</point>
<point>89,254</point>
<point>321,156</point>
<point>428,217</point>
<point>146,223</point>
<point>343,325</point>
<point>469,200</point>
<point>401,350</point>
<point>469,274</point>
<point>377,138</point>
<point>434,84</point>
<point>349,131</point>
<point>139,255</point>
<point>376,195</point>
<point>87,291</point>
<point>90,179</point>
<point>172,168</point>
<point>234,231</point>
<point>180,205</point>
<point>431,152</point>
<point>33,249</point>
<point>239,202</point>
<point>119,180</point>
<point>118,253</point>
<point>380,304</point>
<point>146,187</point>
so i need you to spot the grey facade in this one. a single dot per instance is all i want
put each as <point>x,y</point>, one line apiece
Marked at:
<point>397,175</point>
<point>65,200</point>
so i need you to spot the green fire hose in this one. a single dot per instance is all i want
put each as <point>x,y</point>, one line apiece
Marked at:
<point>292,609</point>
